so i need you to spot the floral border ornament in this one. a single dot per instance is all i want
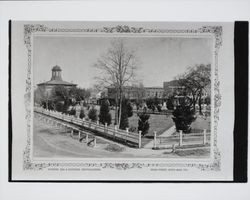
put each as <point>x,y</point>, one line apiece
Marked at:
<point>30,29</point>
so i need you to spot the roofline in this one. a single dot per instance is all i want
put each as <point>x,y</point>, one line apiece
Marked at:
<point>69,84</point>
<point>153,87</point>
<point>159,87</point>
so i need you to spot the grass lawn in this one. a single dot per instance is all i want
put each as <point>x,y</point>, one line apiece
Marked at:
<point>201,123</point>
<point>158,123</point>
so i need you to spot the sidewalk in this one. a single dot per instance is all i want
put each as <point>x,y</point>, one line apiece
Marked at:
<point>168,132</point>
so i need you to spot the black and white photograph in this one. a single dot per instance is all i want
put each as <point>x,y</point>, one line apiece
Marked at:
<point>120,96</point>
<point>124,100</point>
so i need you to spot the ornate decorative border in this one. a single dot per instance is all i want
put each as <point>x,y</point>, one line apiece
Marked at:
<point>29,29</point>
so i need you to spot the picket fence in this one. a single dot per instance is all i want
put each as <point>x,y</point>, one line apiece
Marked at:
<point>114,133</point>
<point>179,139</point>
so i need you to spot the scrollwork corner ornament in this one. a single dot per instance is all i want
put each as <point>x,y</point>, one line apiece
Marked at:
<point>217,31</point>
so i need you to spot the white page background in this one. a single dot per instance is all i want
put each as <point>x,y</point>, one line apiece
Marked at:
<point>109,11</point>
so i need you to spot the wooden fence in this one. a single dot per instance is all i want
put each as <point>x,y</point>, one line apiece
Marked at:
<point>75,132</point>
<point>114,133</point>
<point>180,139</point>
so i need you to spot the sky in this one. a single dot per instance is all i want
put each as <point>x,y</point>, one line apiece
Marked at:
<point>161,58</point>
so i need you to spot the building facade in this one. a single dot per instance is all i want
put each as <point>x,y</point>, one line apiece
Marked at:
<point>172,88</point>
<point>56,80</point>
<point>135,93</point>
<point>151,92</point>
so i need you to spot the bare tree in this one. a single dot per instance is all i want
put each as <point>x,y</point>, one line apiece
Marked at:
<point>195,81</point>
<point>117,67</point>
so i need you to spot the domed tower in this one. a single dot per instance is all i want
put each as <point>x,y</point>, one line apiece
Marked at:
<point>56,80</point>
<point>56,73</point>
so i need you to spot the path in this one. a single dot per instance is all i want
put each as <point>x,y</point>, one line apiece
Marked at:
<point>50,142</point>
<point>166,133</point>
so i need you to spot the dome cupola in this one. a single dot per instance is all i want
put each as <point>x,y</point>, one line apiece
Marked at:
<point>56,73</point>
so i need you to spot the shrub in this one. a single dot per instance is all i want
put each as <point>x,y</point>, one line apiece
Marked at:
<point>105,116</point>
<point>132,129</point>
<point>158,108</point>
<point>65,108</point>
<point>124,121</point>
<point>170,105</point>
<point>72,112</point>
<point>150,103</point>
<point>143,124</point>
<point>183,116</point>
<point>59,107</point>
<point>153,108</point>
<point>129,109</point>
<point>92,114</point>
<point>124,116</point>
<point>82,114</point>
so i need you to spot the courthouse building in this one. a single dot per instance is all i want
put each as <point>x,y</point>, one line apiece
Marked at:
<point>56,80</point>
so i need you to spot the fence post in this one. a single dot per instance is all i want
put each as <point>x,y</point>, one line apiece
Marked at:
<point>127,133</point>
<point>155,140</point>
<point>204,136</point>
<point>95,142</point>
<point>106,127</point>
<point>79,135</point>
<point>87,137</point>
<point>180,144</point>
<point>139,144</point>
<point>173,148</point>
<point>97,122</point>
<point>71,133</point>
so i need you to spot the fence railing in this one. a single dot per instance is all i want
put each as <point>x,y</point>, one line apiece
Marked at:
<point>75,132</point>
<point>113,133</point>
<point>180,139</point>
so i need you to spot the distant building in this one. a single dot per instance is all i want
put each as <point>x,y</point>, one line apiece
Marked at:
<point>134,93</point>
<point>129,92</point>
<point>151,92</point>
<point>172,88</point>
<point>56,80</point>
<point>176,92</point>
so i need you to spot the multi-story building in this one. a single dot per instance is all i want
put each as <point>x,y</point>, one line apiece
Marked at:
<point>135,93</point>
<point>151,92</point>
<point>172,88</point>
